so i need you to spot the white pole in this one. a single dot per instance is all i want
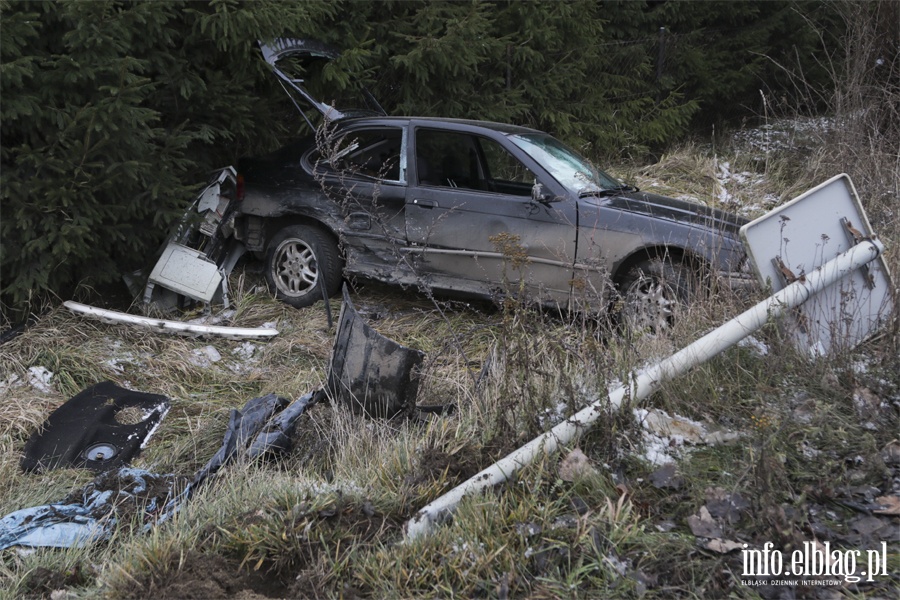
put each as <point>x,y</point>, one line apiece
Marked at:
<point>648,381</point>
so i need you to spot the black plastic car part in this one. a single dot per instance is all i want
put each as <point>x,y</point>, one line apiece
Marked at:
<point>101,428</point>
<point>370,373</point>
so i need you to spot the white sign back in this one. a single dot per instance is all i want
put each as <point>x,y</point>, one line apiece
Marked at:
<point>802,235</point>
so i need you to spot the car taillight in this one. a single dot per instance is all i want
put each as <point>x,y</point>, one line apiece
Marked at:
<point>239,188</point>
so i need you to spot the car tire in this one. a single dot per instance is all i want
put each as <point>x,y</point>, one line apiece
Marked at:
<point>654,292</point>
<point>300,260</point>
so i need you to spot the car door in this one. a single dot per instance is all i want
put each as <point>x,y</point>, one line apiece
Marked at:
<point>471,222</point>
<point>363,170</point>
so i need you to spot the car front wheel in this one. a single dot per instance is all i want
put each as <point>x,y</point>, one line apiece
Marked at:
<point>654,292</point>
<point>301,261</point>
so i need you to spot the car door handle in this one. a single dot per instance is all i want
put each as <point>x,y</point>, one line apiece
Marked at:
<point>425,203</point>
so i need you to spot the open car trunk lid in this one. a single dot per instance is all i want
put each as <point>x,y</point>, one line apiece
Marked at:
<point>278,54</point>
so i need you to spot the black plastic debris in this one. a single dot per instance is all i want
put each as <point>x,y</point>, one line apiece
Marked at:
<point>252,432</point>
<point>276,436</point>
<point>90,514</point>
<point>243,427</point>
<point>101,428</point>
<point>370,373</point>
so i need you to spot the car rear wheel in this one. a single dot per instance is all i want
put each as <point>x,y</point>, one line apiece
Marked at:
<point>300,262</point>
<point>654,292</point>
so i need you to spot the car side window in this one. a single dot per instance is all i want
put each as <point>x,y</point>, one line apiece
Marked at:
<point>372,154</point>
<point>447,159</point>
<point>460,160</point>
<point>504,172</point>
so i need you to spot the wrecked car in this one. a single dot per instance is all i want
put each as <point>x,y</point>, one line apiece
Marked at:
<point>467,207</point>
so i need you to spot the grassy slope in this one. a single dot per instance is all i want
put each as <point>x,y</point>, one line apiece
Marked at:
<point>327,520</point>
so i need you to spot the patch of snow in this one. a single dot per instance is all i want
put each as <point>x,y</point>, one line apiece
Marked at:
<point>665,437</point>
<point>204,357</point>
<point>809,451</point>
<point>553,416</point>
<point>269,325</point>
<point>39,378</point>
<point>783,135</point>
<point>619,566</point>
<point>245,358</point>
<point>115,364</point>
<point>245,351</point>
<point>757,347</point>
<point>728,186</point>
<point>330,488</point>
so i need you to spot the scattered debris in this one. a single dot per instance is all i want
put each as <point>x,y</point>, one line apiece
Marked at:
<point>101,428</point>
<point>276,435</point>
<point>89,515</point>
<point>890,454</point>
<point>243,427</point>
<point>721,508</point>
<point>252,432</point>
<point>165,326</point>
<point>370,373</point>
<point>724,505</point>
<point>890,505</point>
<point>866,402</point>
<point>196,261</point>
<point>204,357</point>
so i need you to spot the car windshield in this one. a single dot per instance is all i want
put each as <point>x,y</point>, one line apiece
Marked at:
<point>567,166</point>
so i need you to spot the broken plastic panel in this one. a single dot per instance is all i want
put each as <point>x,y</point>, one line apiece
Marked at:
<point>253,431</point>
<point>101,428</point>
<point>370,373</point>
<point>91,514</point>
<point>165,326</point>
<point>201,253</point>
<point>187,272</point>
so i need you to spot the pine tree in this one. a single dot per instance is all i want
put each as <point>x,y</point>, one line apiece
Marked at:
<point>111,112</point>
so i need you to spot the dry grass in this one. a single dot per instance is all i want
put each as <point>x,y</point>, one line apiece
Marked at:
<point>328,518</point>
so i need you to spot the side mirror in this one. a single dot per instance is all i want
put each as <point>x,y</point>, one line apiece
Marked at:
<point>538,195</point>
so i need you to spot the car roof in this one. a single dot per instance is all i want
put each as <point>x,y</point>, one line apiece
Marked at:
<point>460,124</point>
